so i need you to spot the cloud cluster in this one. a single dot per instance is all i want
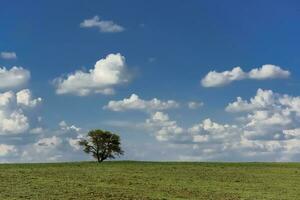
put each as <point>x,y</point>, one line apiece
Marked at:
<point>195,105</point>
<point>24,97</point>
<point>48,142</point>
<point>218,79</point>
<point>266,125</point>
<point>164,128</point>
<point>65,127</point>
<point>107,73</point>
<point>15,77</point>
<point>135,103</point>
<point>268,128</point>
<point>13,108</point>
<point>103,25</point>
<point>8,55</point>
<point>269,115</point>
<point>7,149</point>
<point>53,145</point>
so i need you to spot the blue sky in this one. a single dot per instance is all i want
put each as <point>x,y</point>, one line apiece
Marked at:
<point>164,50</point>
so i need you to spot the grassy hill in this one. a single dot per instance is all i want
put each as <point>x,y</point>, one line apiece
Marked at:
<point>150,180</point>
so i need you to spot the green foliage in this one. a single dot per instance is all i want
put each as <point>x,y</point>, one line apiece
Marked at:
<point>102,145</point>
<point>150,180</point>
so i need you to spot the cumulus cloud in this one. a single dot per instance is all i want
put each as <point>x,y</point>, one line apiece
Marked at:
<point>292,133</point>
<point>13,119</point>
<point>74,142</point>
<point>208,127</point>
<point>272,123</point>
<point>164,128</point>
<point>7,149</point>
<point>268,71</point>
<point>107,73</point>
<point>24,97</point>
<point>195,105</point>
<point>268,129</point>
<point>54,145</point>
<point>105,26</point>
<point>43,145</point>
<point>73,135</point>
<point>37,130</point>
<point>135,103</point>
<point>44,149</point>
<point>216,79</point>
<point>15,77</point>
<point>50,142</point>
<point>262,99</point>
<point>268,114</point>
<point>16,122</point>
<point>8,55</point>
<point>66,128</point>
<point>265,99</point>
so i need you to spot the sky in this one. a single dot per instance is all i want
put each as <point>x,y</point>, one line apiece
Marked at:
<point>178,81</point>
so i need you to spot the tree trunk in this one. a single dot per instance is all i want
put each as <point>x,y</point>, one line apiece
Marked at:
<point>99,159</point>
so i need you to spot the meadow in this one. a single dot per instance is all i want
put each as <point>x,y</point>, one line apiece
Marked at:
<point>150,180</point>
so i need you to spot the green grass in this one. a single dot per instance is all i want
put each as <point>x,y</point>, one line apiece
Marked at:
<point>150,180</point>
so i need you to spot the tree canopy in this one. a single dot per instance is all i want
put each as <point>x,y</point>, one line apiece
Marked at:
<point>102,145</point>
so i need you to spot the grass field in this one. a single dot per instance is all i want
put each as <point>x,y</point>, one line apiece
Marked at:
<point>150,180</point>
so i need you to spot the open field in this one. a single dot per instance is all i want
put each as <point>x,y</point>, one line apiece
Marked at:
<point>150,180</point>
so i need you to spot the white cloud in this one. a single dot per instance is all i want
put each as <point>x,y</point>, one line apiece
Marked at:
<point>73,134</point>
<point>262,99</point>
<point>135,103</point>
<point>15,122</point>
<point>51,145</point>
<point>8,55</point>
<point>13,119</point>
<point>74,142</point>
<point>206,132</point>
<point>6,98</point>
<point>268,72</point>
<point>65,127</point>
<point>103,25</point>
<point>195,105</point>
<point>15,77</point>
<point>164,128</point>
<point>7,149</point>
<point>266,99</point>
<point>218,79</point>
<point>44,149</point>
<point>37,130</point>
<point>269,130</point>
<point>107,73</point>
<point>24,97</point>
<point>268,115</point>
<point>295,133</point>
<point>265,117</point>
<point>48,142</point>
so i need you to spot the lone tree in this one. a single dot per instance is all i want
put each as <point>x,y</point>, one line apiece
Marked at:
<point>102,145</point>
